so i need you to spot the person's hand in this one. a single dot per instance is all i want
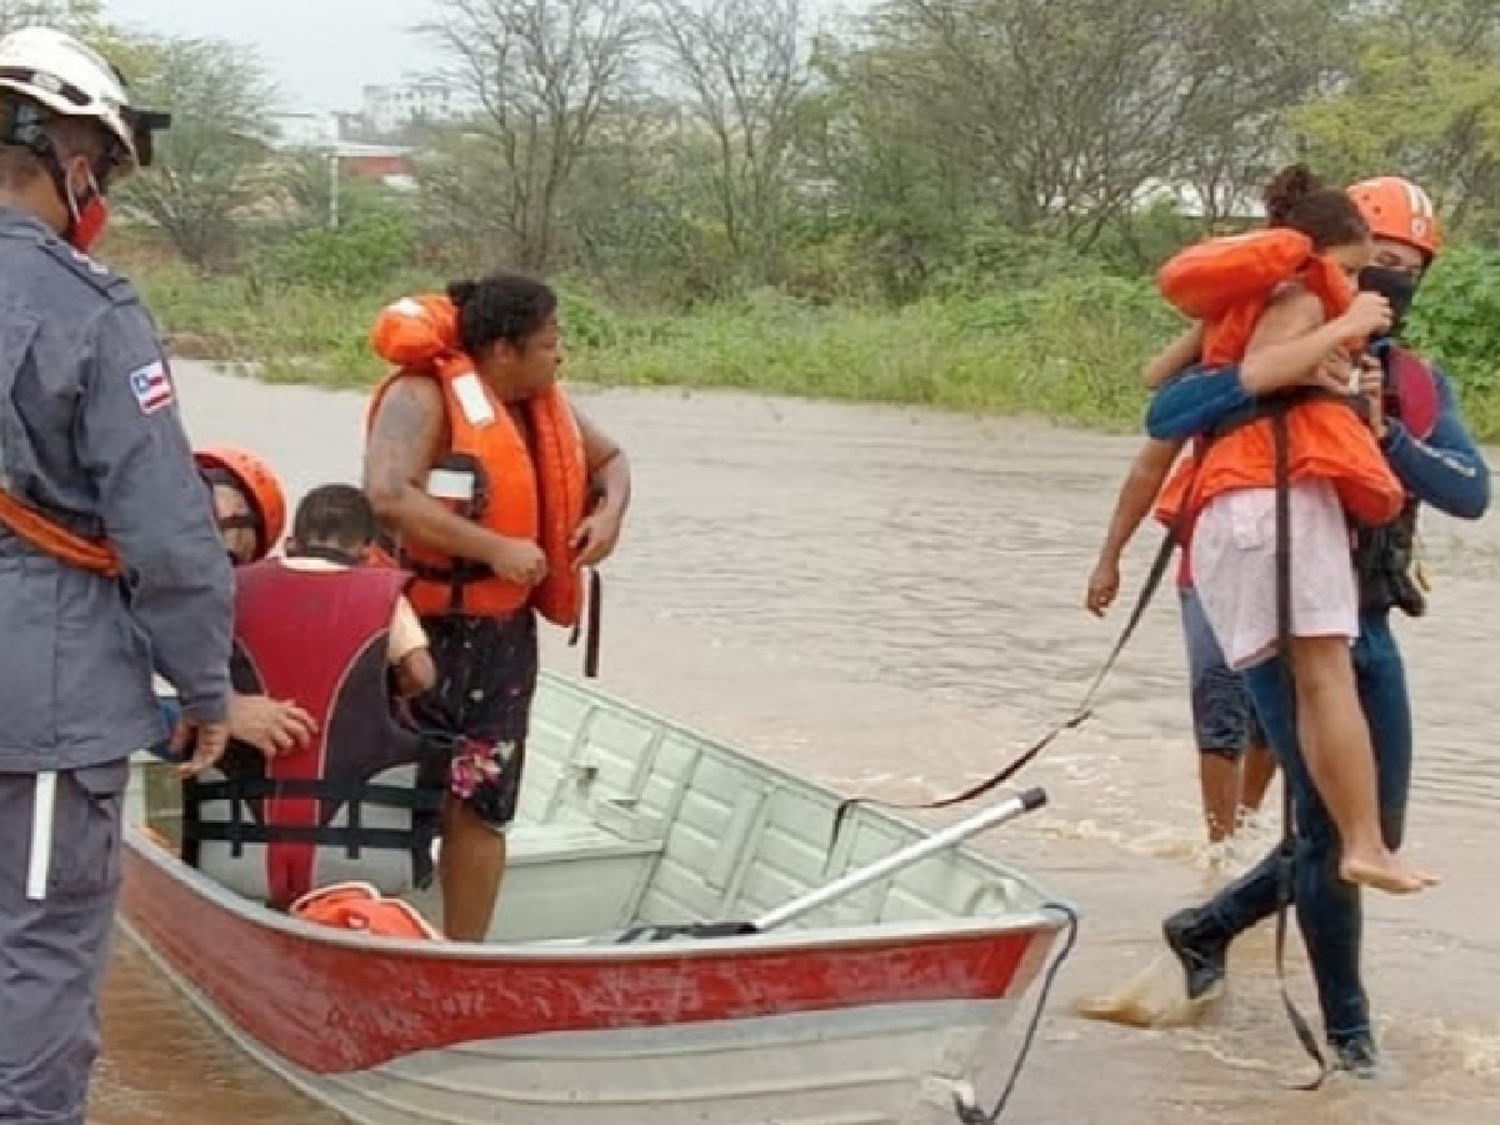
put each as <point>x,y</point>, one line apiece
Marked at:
<point>1335,374</point>
<point>595,539</point>
<point>517,560</point>
<point>1369,314</point>
<point>208,742</point>
<point>1104,587</point>
<point>272,726</point>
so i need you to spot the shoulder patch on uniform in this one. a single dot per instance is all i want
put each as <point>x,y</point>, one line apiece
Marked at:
<point>93,265</point>
<point>152,387</point>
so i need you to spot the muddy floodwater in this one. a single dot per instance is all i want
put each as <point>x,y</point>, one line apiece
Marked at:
<point>889,601</point>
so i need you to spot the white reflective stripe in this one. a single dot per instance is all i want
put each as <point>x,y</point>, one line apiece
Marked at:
<point>406,306</point>
<point>43,814</point>
<point>450,484</point>
<point>473,400</point>
<point>1419,200</point>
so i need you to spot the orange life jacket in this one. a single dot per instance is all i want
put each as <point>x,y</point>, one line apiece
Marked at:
<point>359,906</point>
<point>491,474</point>
<point>1228,281</point>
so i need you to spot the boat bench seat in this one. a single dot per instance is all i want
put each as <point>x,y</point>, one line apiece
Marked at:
<point>572,877</point>
<point>560,842</point>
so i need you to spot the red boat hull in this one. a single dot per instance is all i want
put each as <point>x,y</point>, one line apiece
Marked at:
<point>331,1002</point>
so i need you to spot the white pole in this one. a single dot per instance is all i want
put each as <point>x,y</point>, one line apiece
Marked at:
<point>333,188</point>
<point>939,841</point>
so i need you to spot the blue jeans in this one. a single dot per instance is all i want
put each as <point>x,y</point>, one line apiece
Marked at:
<point>170,713</point>
<point>1328,909</point>
<point>1224,719</point>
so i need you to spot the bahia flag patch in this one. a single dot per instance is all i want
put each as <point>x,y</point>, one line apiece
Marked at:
<point>152,387</point>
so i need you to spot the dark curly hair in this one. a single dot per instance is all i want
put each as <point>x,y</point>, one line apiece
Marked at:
<point>1297,199</point>
<point>500,306</point>
<point>335,514</point>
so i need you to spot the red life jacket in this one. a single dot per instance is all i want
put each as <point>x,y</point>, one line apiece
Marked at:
<point>319,638</point>
<point>1412,391</point>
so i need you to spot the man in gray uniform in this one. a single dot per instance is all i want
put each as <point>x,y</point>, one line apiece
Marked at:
<point>109,556</point>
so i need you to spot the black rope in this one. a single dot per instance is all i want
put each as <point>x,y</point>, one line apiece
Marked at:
<point>1286,868</point>
<point>971,1114</point>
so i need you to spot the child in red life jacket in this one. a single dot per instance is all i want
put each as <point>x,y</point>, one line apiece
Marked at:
<point>1281,305</point>
<point>335,529</point>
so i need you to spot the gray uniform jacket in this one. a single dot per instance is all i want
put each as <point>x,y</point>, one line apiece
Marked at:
<point>90,435</point>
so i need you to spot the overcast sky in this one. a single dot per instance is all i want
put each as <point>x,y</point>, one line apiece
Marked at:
<point>321,53</point>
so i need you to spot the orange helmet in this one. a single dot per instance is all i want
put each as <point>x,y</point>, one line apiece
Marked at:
<point>1399,210</point>
<point>254,477</point>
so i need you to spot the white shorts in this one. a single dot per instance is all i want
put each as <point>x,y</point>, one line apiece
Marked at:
<point>1234,570</point>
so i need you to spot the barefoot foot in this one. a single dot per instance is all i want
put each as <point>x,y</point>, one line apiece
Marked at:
<point>1382,871</point>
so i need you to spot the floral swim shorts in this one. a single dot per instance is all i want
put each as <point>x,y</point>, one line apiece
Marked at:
<point>487,671</point>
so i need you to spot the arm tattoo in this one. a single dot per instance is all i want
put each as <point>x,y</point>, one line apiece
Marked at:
<point>401,440</point>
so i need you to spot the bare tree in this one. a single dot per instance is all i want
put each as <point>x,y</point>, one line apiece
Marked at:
<point>542,72</point>
<point>1079,107</point>
<point>744,68</point>
<point>65,15</point>
<point>213,162</point>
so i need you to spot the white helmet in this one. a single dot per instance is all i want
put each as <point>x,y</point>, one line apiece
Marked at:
<point>74,80</point>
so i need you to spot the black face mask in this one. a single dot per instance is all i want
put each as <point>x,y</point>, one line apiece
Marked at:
<point>1396,286</point>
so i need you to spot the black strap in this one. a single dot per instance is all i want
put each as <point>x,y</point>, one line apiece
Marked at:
<point>1286,868</point>
<point>353,838</point>
<point>339,790</point>
<point>641,935</point>
<point>240,829</point>
<point>1081,714</point>
<point>590,624</point>
<point>1274,407</point>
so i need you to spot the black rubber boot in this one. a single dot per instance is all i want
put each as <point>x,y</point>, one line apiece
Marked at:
<point>1201,945</point>
<point>1357,1056</point>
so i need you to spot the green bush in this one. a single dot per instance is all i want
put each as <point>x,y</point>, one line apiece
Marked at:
<point>1070,348</point>
<point>1456,319</point>
<point>347,259</point>
<point>1456,324</point>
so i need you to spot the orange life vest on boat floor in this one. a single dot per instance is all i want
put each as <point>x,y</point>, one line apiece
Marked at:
<point>360,907</point>
<point>1228,283</point>
<point>268,829</point>
<point>519,481</point>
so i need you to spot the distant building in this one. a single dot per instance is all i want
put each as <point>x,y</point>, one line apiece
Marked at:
<point>390,165</point>
<point>390,108</point>
<point>327,135</point>
<point>305,130</point>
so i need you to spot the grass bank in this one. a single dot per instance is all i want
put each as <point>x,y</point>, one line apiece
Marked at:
<point>1070,350</point>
